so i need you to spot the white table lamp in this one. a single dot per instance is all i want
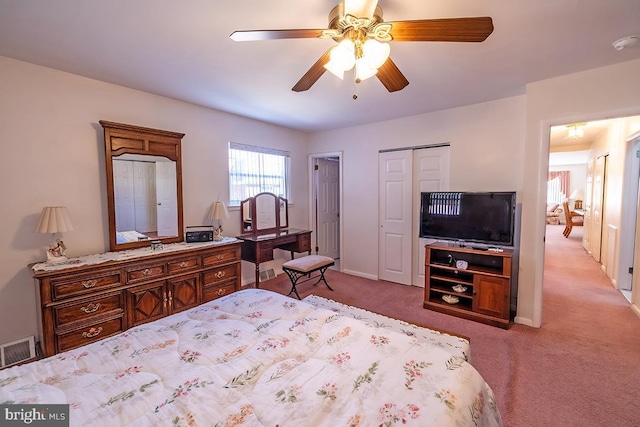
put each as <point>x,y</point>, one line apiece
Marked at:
<point>218,212</point>
<point>55,219</point>
<point>577,196</point>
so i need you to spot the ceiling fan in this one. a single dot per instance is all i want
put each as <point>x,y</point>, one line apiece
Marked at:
<point>363,38</point>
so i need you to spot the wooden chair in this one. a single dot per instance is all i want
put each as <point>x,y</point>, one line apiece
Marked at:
<point>573,219</point>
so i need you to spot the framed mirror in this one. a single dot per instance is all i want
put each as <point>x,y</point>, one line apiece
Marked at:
<point>144,185</point>
<point>264,213</point>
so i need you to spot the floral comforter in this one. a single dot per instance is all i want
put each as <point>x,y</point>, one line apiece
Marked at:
<point>257,358</point>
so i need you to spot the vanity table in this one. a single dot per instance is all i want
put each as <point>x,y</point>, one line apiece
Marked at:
<point>264,221</point>
<point>257,248</point>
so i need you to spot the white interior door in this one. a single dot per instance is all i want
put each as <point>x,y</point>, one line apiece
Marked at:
<point>597,207</point>
<point>327,176</point>
<point>124,195</point>
<point>167,195</point>
<point>395,213</point>
<point>145,196</point>
<point>430,173</point>
<point>587,203</point>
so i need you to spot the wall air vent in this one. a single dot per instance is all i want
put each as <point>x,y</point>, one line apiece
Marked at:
<point>17,351</point>
<point>267,274</point>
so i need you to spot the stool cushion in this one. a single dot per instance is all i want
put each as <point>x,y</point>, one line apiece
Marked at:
<point>308,263</point>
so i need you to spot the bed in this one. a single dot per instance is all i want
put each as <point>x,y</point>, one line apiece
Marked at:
<point>257,358</point>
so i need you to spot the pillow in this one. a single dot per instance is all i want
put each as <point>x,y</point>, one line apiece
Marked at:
<point>551,207</point>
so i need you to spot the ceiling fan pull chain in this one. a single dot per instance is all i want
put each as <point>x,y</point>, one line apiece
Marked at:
<point>355,84</point>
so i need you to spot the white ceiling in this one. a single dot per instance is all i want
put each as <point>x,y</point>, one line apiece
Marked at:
<point>181,49</point>
<point>560,140</point>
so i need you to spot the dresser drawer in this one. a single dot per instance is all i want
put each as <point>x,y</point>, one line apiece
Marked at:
<point>89,334</point>
<point>64,287</point>
<point>221,256</point>
<point>86,309</point>
<point>187,264</point>
<point>215,292</point>
<point>145,272</point>
<point>218,275</point>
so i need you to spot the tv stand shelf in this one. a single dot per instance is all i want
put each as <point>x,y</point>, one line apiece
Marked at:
<point>484,286</point>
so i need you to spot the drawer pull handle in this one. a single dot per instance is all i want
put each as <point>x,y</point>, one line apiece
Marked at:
<point>88,284</point>
<point>183,264</point>
<point>221,292</point>
<point>146,272</point>
<point>219,257</point>
<point>220,274</point>
<point>91,308</point>
<point>93,332</point>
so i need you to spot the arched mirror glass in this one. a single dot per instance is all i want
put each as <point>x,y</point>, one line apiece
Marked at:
<point>284,212</point>
<point>246,209</point>
<point>144,185</point>
<point>264,213</point>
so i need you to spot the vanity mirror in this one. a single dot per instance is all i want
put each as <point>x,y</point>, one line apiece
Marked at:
<point>264,213</point>
<point>144,185</point>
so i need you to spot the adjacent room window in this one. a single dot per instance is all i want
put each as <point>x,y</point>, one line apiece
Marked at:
<point>557,186</point>
<point>254,170</point>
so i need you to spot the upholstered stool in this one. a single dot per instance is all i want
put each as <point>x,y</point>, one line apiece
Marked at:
<point>300,267</point>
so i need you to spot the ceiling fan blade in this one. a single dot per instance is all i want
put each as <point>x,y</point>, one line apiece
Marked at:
<point>360,8</point>
<point>256,35</point>
<point>442,30</point>
<point>391,76</point>
<point>315,72</point>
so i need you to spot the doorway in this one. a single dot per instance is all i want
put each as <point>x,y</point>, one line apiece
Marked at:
<point>611,193</point>
<point>324,205</point>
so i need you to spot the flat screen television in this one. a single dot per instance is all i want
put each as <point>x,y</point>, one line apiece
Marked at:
<point>476,217</point>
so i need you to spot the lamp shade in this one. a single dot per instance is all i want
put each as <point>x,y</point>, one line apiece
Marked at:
<point>218,211</point>
<point>54,219</point>
<point>577,195</point>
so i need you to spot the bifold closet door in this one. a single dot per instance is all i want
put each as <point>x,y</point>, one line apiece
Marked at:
<point>403,174</point>
<point>395,213</point>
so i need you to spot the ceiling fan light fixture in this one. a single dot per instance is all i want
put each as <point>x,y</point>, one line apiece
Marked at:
<point>364,70</point>
<point>341,58</point>
<point>375,53</point>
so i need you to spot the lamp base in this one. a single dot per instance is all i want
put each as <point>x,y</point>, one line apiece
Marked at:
<point>577,204</point>
<point>52,259</point>
<point>217,234</point>
<point>56,252</point>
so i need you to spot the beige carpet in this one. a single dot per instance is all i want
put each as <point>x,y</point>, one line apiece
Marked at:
<point>580,369</point>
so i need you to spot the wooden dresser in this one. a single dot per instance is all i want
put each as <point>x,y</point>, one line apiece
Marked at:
<point>94,297</point>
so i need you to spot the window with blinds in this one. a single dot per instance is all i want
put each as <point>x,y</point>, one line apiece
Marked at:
<point>254,170</point>
<point>445,204</point>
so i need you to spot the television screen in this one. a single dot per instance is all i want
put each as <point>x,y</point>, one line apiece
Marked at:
<point>473,217</point>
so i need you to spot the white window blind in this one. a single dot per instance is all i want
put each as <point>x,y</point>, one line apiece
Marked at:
<point>253,170</point>
<point>445,204</point>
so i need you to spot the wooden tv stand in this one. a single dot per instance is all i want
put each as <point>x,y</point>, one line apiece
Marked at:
<point>487,280</point>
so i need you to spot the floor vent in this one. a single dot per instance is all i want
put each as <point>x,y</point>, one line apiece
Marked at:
<point>267,274</point>
<point>17,351</point>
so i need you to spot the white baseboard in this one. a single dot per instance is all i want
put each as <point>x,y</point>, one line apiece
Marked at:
<point>523,321</point>
<point>360,274</point>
